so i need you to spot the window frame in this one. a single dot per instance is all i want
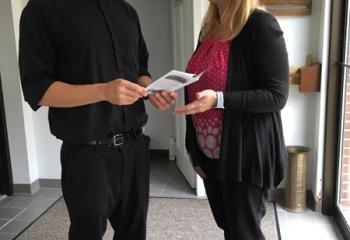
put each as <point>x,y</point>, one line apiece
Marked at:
<point>334,115</point>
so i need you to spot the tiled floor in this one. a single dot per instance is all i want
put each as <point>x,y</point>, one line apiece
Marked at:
<point>19,211</point>
<point>306,226</point>
<point>167,180</point>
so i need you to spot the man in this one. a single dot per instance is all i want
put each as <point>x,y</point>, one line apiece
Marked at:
<point>87,61</point>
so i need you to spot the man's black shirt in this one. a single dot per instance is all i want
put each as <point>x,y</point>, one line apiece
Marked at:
<point>82,42</point>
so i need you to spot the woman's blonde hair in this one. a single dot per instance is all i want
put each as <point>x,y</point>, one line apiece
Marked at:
<point>231,23</point>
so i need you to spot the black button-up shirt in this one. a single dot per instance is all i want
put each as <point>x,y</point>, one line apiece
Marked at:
<point>82,42</point>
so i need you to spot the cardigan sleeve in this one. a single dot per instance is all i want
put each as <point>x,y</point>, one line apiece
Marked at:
<point>271,70</point>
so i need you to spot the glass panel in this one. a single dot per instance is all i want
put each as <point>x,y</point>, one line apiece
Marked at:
<point>344,166</point>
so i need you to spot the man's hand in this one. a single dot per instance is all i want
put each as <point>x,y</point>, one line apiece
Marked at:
<point>163,100</point>
<point>206,100</point>
<point>123,92</point>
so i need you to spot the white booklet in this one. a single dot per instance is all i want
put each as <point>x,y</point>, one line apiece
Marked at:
<point>173,81</point>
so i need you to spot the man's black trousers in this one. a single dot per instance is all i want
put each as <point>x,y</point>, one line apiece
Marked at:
<point>101,183</point>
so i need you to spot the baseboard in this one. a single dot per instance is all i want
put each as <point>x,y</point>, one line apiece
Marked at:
<point>50,183</point>
<point>27,188</point>
<point>157,153</point>
<point>2,197</point>
<point>36,185</point>
<point>277,195</point>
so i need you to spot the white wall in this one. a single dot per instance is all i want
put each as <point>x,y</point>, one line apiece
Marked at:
<point>156,26</point>
<point>47,147</point>
<point>17,7</point>
<point>35,152</point>
<point>23,163</point>
<point>299,114</point>
<point>302,118</point>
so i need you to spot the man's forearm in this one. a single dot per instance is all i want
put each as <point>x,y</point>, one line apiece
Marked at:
<point>63,95</point>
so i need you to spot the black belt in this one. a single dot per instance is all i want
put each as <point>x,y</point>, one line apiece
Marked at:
<point>118,139</point>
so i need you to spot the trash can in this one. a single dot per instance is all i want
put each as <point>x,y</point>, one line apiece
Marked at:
<point>295,188</point>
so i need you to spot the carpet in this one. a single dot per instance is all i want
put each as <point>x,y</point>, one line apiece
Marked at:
<point>170,219</point>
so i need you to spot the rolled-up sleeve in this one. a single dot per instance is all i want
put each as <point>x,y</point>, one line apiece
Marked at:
<point>36,53</point>
<point>143,54</point>
<point>143,58</point>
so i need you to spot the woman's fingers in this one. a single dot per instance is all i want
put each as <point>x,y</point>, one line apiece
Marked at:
<point>192,108</point>
<point>206,100</point>
<point>180,110</point>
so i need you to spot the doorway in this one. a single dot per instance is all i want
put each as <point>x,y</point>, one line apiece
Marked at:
<point>168,32</point>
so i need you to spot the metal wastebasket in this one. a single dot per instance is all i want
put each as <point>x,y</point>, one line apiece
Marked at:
<point>295,188</point>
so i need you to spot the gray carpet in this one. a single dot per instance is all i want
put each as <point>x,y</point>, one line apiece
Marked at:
<point>168,219</point>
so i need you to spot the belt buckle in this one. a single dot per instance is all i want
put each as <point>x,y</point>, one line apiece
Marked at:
<point>118,140</point>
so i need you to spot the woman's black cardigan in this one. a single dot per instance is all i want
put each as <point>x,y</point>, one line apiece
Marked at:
<point>252,146</point>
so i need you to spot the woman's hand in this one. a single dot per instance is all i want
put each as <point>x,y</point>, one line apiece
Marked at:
<point>198,169</point>
<point>200,172</point>
<point>163,100</point>
<point>206,100</point>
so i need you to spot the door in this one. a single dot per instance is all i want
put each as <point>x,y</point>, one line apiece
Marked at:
<point>6,183</point>
<point>186,21</point>
<point>343,179</point>
<point>183,47</point>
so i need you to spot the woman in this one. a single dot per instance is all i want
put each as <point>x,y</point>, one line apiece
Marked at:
<point>234,131</point>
